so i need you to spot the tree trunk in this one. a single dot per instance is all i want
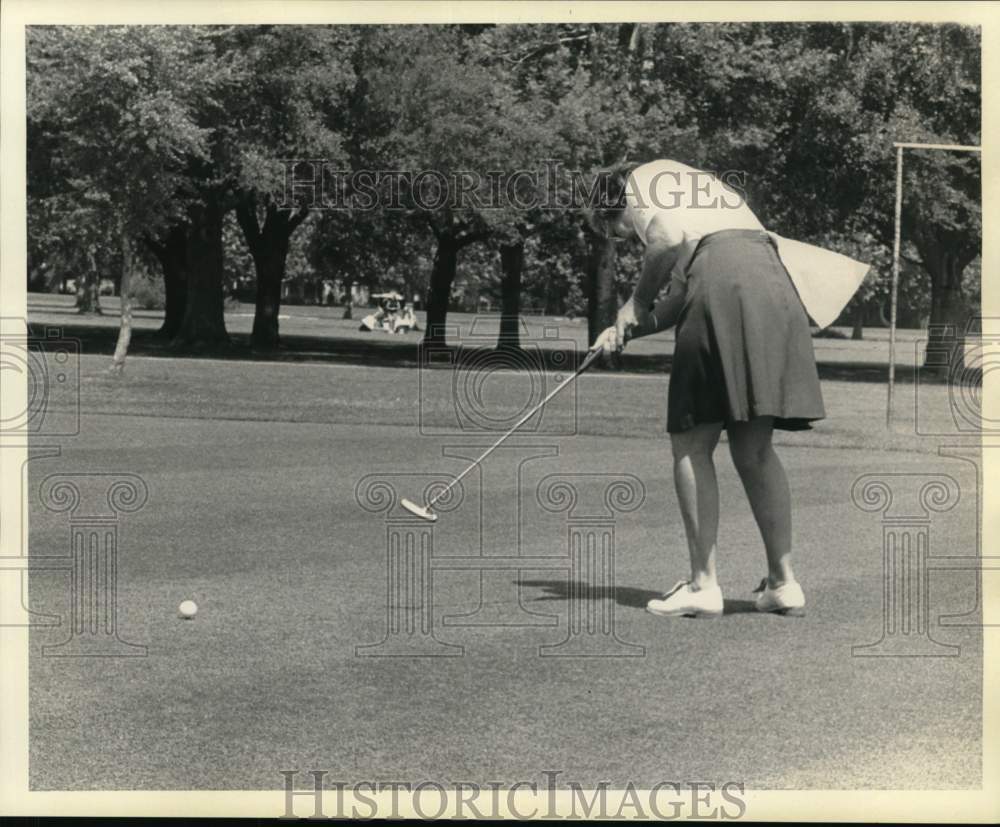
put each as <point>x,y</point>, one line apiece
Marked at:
<point>124,292</point>
<point>949,317</point>
<point>88,287</point>
<point>171,254</point>
<point>439,293</point>
<point>268,246</point>
<point>269,265</point>
<point>858,333</point>
<point>602,301</point>
<point>946,328</point>
<point>512,262</point>
<point>203,323</point>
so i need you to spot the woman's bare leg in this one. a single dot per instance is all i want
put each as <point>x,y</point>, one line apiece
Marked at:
<point>766,485</point>
<point>698,494</point>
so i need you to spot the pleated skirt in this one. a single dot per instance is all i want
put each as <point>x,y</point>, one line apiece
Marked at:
<point>743,344</point>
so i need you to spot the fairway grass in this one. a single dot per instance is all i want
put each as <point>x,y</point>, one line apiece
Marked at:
<point>252,470</point>
<point>598,404</point>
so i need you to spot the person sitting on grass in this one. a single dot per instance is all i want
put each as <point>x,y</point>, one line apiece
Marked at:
<point>743,362</point>
<point>406,320</point>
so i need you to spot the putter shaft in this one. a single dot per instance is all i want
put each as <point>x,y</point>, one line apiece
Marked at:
<point>586,363</point>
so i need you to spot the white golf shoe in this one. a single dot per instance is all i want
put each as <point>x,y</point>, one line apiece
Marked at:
<point>683,601</point>
<point>787,599</point>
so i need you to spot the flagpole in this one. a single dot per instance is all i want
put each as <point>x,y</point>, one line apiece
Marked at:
<point>895,284</point>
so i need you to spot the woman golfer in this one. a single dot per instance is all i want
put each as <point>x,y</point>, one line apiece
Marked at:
<point>743,361</point>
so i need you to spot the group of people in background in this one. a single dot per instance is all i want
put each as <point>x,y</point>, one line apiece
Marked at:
<point>391,317</point>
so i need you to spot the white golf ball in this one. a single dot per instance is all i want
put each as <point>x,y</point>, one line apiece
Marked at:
<point>188,609</point>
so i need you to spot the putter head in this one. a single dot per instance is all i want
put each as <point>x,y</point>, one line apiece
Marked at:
<point>420,511</point>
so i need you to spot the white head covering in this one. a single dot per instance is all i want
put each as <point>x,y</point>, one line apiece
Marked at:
<point>690,204</point>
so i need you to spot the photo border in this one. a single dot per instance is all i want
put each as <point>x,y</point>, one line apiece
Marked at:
<point>819,805</point>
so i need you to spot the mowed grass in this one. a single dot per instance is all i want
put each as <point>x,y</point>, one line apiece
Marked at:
<point>252,471</point>
<point>436,401</point>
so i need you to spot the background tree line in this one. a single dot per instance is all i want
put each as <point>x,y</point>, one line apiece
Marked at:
<point>163,148</point>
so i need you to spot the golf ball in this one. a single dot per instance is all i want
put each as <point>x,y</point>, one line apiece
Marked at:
<point>188,609</point>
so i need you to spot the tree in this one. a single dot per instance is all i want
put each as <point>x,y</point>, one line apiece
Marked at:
<point>159,135</point>
<point>808,113</point>
<point>171,251</point>
<point>291,106</point>
<point>440,105</point>
<point>372,248</point>
<point>118,106</point>
<point>590,86</point>
<point>512,262</point>
<point>919,83</point>
<point>210,180</point>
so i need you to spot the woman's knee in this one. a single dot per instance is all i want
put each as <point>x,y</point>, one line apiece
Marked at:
<point>750,444</point>
<point>699,441</point>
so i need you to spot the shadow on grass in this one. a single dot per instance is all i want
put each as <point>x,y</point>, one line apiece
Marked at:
<point>391,352</point>
<point>627,596</point>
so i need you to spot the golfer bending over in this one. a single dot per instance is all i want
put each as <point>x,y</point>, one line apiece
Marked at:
<point>743,361</point>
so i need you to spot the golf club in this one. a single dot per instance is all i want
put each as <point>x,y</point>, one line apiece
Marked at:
<point>425,512</point>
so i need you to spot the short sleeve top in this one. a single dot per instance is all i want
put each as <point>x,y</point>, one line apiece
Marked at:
<point>687,203</point>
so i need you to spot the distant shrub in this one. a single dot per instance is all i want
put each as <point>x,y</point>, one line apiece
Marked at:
<point>147,291</point>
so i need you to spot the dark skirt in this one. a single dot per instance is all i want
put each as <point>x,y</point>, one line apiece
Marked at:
<point>743,344</point>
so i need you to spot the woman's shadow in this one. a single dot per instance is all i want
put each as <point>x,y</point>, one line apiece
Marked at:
<point>627,596</point>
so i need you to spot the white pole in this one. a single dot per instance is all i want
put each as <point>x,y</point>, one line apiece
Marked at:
<point>895,284</point>
<point>895,254</point>
<point>950,147</point>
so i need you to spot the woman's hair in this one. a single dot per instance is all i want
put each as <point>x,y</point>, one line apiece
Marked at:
<point>612,184</point>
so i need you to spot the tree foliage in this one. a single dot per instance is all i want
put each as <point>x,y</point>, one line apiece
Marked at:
<point>166,134</point>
